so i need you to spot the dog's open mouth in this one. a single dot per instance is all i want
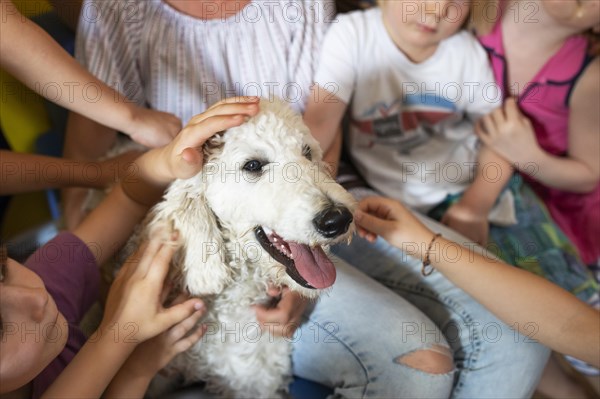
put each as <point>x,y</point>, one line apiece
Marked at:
<point>307,266</point>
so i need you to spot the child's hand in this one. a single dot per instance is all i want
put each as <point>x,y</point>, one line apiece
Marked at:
<point>378,216</point>
<point>283,319</point>
<point>183,158</point>
<point>468,223</point>
<point>154,354</point>
<point>134,302</point>
<point>509,133</point>
<point>153,128</point>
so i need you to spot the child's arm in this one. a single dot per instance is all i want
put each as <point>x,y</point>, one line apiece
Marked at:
<point>511,134</point>
<point>151,356</point>
<point>537,308</point>
<point>129,201</point>
<point>20,173</point>
<point>33,57</point>
<point>469,216</point>
<point>323,116</point>
<point>133,314</point>
<point>85,140</point>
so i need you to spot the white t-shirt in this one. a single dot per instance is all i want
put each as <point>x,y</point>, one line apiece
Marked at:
<point>167,60</point>
<point>411,133</point>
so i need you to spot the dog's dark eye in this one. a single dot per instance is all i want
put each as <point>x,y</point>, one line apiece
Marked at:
<point>253,166</point>
<point>307,152</point>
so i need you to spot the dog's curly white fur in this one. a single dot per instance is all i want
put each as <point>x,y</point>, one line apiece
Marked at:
<point>263,177</point>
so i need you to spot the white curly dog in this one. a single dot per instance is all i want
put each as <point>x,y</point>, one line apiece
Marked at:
<point>262,211</point>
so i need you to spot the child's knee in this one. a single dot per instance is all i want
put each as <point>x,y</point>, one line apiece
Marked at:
<point>434,360</point>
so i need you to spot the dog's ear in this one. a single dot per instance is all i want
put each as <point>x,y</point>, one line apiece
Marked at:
<point>201,260</point>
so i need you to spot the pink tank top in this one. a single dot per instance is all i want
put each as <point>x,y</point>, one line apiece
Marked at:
<point>545,101</point>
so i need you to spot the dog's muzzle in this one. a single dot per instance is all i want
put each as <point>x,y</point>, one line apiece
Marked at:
<point>333,221</point>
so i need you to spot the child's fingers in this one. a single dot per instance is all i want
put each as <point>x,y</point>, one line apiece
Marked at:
<point>378,206</point>
<point>166,290</point>
<point>236,100</point>
<point>186,343</point>
<point>372,224</point>
<point>498,118</point>
<point>160,263</point>
<point>229,106</point>
<point>511,109</point>
<point>274,291</point>
<point>139,258</point>
<point>480,131</point>
<point>176,313</point>
<point>196,134</point>
<point>180,330</point>
<point>488,126</point>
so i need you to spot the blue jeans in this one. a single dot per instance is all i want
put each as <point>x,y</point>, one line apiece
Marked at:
<point>353,337</point>
<point>492,360</point>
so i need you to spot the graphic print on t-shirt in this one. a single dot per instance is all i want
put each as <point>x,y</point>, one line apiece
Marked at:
<point>408,123</point>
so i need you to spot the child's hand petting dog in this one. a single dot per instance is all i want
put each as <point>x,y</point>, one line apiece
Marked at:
<point>282,316</point>
<point>182,158</point>
<point>154,354</point>
<point>136,296</point>
<point>183,155</point>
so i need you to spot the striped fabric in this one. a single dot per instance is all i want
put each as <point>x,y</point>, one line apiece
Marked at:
<point>167,60</point>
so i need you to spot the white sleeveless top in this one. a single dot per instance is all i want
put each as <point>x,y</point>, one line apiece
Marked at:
<point>167,60</point>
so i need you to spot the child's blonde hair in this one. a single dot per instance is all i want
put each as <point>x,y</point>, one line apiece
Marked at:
<point>486,13</point>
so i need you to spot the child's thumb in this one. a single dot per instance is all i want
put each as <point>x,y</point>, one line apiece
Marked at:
<point>372,223</point>
<point>189,163</point>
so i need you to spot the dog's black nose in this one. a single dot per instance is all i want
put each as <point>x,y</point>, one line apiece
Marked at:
<point>333,221</point>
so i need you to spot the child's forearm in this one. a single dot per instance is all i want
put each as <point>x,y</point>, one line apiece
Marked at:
<point>562,173</point>
<point>493,172</point>
<point>532,305</point>
<point>63,80</point>
<point>84,140</point>
<point>92,369</point>
<point>124,207</point>
<point>323,116</point>
<point>128,384</point>
<point>30,172</point>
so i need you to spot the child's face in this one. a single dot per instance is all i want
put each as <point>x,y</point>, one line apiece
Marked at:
<point>577,14</point>
<point>34,331</point>
<point>418,26</point>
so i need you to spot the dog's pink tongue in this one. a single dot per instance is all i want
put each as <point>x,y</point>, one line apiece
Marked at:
<point>313,265</point>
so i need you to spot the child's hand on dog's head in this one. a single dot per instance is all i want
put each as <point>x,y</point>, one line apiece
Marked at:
<point>184,154</point>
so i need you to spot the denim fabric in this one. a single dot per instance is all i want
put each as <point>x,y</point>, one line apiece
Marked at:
<point>492,359</point>
<point>354,335</point>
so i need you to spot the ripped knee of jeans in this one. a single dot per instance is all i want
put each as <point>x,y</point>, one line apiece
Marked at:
<point>436,359</point>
